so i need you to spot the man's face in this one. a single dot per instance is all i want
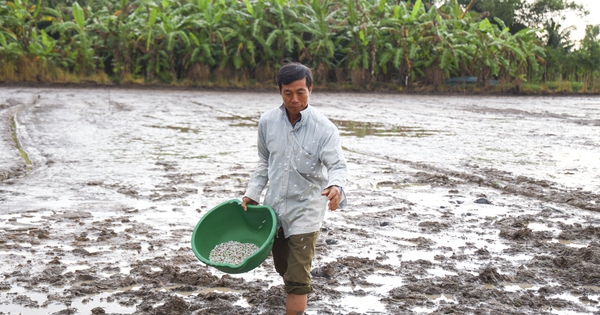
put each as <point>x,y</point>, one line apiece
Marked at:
<point>295,96</point>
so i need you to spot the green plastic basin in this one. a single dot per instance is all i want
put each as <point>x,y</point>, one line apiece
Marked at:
<point>229,222</point>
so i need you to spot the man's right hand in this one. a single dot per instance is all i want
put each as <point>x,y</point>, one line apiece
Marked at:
<point>248,201</point>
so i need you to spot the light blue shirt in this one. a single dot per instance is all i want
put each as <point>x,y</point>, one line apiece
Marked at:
<point>297,161</point>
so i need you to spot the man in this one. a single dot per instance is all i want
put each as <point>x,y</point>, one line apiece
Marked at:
<point>296,145</point>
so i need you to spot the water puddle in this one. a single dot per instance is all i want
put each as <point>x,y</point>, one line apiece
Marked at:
<point>440,297</point>
<point>441,272</point>
<point>219,290</point>
<point>569,243</point>
<point>363,129</point>
<point>588,302</point>
<point>239,121</point>
<point>390,185</point>
<point>363,304</point>
<point>514,287</point>
<point>39,303</point>
<point>535,227</point>
<point>180,129</point>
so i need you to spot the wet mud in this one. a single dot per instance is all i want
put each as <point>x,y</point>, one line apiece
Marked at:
<point>457,205</point>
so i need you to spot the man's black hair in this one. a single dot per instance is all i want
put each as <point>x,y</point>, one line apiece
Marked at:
<point>294,71</point>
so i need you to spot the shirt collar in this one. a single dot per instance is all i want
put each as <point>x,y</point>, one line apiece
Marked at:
<point>304,115</point>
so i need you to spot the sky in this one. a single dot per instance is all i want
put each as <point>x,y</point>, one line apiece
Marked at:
<point>593,18</point>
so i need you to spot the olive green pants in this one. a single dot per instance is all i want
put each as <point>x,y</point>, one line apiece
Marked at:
<point>293,257</point>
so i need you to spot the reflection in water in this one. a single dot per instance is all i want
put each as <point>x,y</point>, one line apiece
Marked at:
<point>180,129</point>
<point>363,129</point>
<point>239,121</point>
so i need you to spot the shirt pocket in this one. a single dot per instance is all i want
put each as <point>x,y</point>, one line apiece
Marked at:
<point>306,162</point>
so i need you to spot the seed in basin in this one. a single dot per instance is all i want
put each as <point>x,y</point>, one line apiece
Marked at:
<point>232,252</point>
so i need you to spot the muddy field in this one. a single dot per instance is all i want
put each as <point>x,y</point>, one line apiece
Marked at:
<point>457,204</point>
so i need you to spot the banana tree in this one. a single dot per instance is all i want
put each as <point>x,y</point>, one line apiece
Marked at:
<point>173,29</point>
<point>402,37</point>
<point>114,30</point>
<point>244,28</point>
<point>320,18</point>
<point>452,45</point>
<point>285,36</point>
<point>145,17</point>
<point>156,36</point>
<point>78,51</point>
<point>10,46</point>
<point>161,39</point>
<point>527,42</point>
<point>22,17</point>
<point>42,47</point>
<point>360,36</point>
<point>204,25</point>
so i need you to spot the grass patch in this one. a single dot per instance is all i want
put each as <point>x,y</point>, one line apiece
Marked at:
<point>26,69</point>
<point>36,70</point>
<point>552,85</point>
<point>577,87</point>
<point>13,126</point>
<point>533,87</point>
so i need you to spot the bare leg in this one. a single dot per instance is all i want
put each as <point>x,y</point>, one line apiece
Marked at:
<point>295,304</point>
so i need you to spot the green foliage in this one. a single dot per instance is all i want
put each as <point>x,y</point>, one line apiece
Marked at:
<point>565,62</point>
<point>520,14</point>
<point>590,49</point>
<point>362,42</point>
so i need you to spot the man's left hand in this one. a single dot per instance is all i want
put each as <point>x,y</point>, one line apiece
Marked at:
<point>333,195</point>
